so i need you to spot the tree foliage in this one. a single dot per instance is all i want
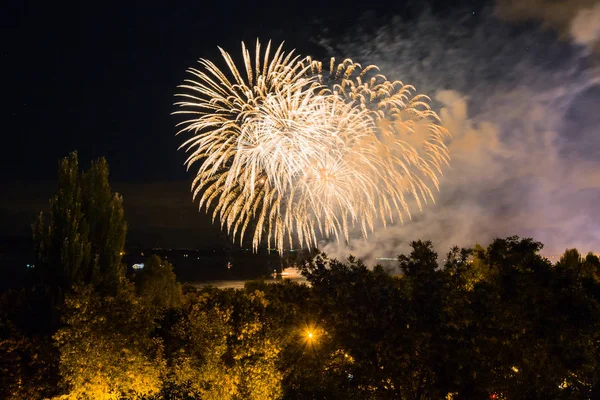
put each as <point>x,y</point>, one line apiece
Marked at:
<point>157,284</point>
<point>82,239</point>
<point>501,321</point>
<point>27,364</point>
<point>106,350</point>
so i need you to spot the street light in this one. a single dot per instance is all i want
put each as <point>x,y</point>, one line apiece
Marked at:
<point>311,334</point>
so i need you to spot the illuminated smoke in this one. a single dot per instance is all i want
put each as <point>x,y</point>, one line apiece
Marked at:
<point>522,108</point>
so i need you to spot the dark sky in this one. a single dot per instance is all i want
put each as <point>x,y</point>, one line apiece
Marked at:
<point>99,77</point>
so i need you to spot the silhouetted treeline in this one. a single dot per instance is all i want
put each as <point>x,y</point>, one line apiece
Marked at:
<point>501,322</point>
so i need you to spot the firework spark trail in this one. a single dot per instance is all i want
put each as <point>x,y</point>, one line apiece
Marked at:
<point>293,152</point>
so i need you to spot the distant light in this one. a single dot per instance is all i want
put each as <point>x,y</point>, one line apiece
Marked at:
<point>138,266</point>
<point>564,384</point>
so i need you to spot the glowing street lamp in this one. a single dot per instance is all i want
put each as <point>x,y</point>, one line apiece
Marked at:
<point>311,334</point>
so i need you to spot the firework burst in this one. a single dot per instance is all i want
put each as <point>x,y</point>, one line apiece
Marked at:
<point>292,152</point>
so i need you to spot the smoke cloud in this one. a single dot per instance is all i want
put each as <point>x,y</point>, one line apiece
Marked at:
<point>585,27</point>
<point>522,107</point>
<point>578,20</point>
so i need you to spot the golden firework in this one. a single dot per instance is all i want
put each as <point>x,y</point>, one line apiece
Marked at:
<point>297,153</point>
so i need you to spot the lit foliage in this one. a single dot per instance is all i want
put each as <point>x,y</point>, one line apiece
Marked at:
<point>220,348</point>
<point>105,348</point>
<point>157,284</point>
<point>196,354</point>
<point>254,351</point>
<point>292,153</point>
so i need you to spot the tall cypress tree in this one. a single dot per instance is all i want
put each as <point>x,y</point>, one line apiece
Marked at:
<point>104,215</point>
<point>83,237</point>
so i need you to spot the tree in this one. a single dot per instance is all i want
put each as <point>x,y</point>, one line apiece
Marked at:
<point>219,346</point>
<point>435,312</point>
<point>362,311</point>
<point>62,243</point>
<point>584,268</point>
<point>422,260</point>
<point>195,338</point>
<point>106,348</point>
<point>27,370</point>
<point>536,328</point>
<point>497,321</point>
<point>82,240</point>
<point>576,322</point>
<point>157,284</point>
<point>107,229</point>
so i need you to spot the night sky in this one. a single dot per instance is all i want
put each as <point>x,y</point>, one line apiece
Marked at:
<point>99,78</point>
